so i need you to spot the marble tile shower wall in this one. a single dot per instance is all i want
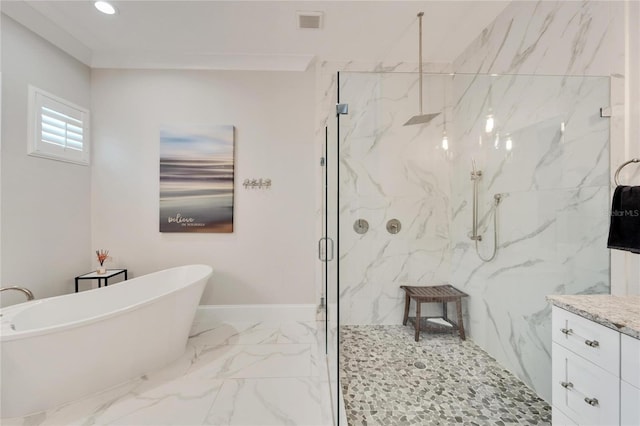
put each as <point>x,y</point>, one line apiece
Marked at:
<point>550,38</point>
<point>555,201</point>
<point>387,171</point>
<point>553,218</point>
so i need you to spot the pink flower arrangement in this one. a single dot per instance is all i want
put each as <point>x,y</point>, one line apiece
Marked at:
<point>102,255</point>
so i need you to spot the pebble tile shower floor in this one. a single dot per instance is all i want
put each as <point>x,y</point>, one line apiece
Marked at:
<point>389,379</point>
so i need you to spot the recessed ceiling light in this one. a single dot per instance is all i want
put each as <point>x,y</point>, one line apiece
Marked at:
<point>105,7</point>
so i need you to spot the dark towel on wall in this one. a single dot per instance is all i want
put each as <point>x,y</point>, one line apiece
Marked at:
<point>624,232</point>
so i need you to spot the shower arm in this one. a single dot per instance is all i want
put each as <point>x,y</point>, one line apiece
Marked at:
<point>420,118</point>
<point>420,15</point>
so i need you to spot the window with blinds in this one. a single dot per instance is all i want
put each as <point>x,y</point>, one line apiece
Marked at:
<point>58,129</point>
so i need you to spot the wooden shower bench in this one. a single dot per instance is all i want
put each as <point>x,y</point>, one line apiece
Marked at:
<point>434,294</point>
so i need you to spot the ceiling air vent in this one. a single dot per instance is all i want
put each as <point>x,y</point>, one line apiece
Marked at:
<point>310,20</point>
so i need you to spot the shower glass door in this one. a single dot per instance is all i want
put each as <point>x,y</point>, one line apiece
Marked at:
<point>393,193</point>
<point>328,254</point>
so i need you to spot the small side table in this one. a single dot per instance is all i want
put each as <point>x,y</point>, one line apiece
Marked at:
<point>93,275</point>
<point>434,294</point>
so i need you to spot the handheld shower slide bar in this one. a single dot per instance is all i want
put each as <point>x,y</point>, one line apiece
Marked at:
<point>476,176</point>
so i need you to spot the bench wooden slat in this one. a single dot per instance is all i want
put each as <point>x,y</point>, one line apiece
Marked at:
<point>434,294</point>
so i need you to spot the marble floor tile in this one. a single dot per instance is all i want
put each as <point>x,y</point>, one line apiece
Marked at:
<point>237,333</point>
<point>247,333</point>
<point>264,402</point>
<point>179,402</point>
<point>149,400</point>
<point>79,412</point>
<point>252,361</point>
<point>301,332</point>
<point>274,370</point>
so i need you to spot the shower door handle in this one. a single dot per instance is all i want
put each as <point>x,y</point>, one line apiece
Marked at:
<point>322,255</point>
<point>330,258</point>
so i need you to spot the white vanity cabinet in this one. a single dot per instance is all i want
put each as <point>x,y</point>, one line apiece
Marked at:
<point>629,381</point>
<point>595,373</point>
<point>585,371</point>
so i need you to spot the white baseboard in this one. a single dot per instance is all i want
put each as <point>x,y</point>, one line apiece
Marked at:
<point>255,313</point>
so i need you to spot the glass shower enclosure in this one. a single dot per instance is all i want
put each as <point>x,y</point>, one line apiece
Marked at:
<point>400,204</point>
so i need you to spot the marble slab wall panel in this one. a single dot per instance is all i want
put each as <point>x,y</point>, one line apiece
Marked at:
<point>553,215</point>
<point>390,171</point>
<point>563,111</point>
<point>550,37</point>
<point>553,220</point>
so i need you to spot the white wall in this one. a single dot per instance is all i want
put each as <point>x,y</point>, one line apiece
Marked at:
<point>625,266</point>
<point>270,256</point>
<point>45,203</point>
<point>0,146</point>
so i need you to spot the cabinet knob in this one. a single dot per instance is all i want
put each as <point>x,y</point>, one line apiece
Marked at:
<point>592,343</point>
<point>566,331</point>
<point>566,385</point>
<point>591,401</point>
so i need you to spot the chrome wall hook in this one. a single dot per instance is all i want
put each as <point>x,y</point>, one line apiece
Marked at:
<point>257,183</point>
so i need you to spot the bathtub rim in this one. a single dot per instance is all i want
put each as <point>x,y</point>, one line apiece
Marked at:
<point>7,314</point>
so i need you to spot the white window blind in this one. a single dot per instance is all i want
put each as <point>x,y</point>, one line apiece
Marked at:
<point>59,129</point>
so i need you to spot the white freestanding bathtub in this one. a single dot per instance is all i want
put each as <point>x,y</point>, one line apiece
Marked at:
<point>59,349</point>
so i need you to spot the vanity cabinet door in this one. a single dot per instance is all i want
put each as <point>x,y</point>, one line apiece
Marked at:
<point>630,360</point>
<point>629,405</point>
<point>559,418</point>
<point>586,393</point>
<point>630,381</point>
<point>592,341</point>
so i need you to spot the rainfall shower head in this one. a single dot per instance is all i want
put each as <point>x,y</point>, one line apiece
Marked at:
<point>420,118</point>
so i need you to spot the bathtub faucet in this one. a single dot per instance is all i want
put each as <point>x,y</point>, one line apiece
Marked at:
<point>26,291</point>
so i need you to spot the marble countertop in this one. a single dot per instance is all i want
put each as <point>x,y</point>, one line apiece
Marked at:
<point>621,313</point>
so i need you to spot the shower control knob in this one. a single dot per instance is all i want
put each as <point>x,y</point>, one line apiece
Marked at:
<point>361,226</point>
<point>393,226</point>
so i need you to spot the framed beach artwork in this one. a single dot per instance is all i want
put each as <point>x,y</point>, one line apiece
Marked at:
<point>196,178</point>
